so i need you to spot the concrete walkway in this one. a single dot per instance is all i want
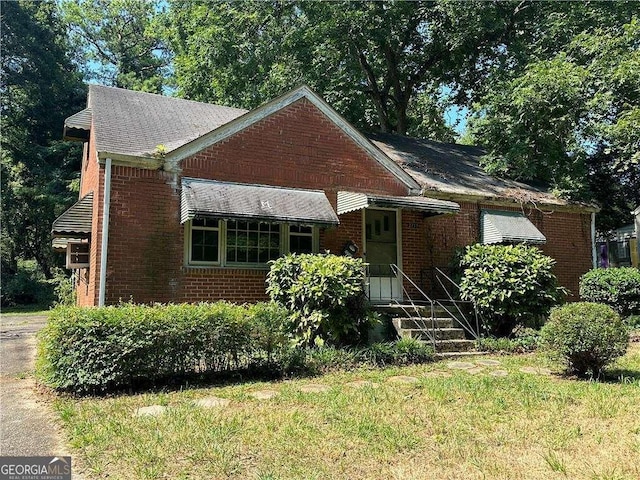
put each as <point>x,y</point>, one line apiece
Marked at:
<point>27,424</point>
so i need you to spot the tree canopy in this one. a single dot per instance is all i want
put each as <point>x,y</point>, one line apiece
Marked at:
<point>40,87</point>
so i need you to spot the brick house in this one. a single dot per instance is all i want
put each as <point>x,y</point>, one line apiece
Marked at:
<point>182,201</point>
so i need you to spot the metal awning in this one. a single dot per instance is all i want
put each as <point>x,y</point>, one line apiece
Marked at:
<point>213,199</point>
<point>77,126</point>
<point>508,227</point>
<point>350,201</point>
<point>76,221</point>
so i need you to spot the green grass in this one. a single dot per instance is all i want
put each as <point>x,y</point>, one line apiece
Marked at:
<point>450,424</point>
<point>24,310</point>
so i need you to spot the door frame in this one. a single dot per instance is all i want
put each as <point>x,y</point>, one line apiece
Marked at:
<point>398,245</point>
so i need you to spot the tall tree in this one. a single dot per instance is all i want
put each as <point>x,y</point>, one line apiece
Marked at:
<point>117,43</point>
<point>572,120</point>
<point>39,88</point>
<point>374,61</point>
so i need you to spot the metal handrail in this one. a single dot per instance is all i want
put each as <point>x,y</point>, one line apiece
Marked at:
<point>467,327</point>
<point>432,336</point>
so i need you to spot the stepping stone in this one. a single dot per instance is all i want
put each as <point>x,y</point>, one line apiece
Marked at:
<point>536,370</point>
<point>460,365</point>
<point>499,373</point>
<point>212,402</point>
<point>437,374</point>
<point>488,363</point>
<point>263,394</point>
<point>402,379</point>
<point>475,370</point>
<point>362,384</point>
<point>314,388</point>
<point>150,411</point>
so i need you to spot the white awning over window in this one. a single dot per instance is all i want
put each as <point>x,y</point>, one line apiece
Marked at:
<point>213,199</point>
<point>508,227</point>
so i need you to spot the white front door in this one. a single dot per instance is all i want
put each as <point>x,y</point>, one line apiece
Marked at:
<point>381,239</point>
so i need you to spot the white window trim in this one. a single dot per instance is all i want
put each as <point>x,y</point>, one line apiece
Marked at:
<point>285,233</point>
<point>201,263</point>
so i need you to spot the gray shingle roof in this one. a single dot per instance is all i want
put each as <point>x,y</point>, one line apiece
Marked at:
<point>209,198</point>
<point>508,227</point>
<point>76,220</point>
<point>454,169</point>
<point>135,123</point>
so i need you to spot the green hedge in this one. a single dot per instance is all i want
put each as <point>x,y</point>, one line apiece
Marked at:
<point>325,296</point>
<point>97,349</point>
<point>617,287</point>
<point>510,284</point>
<point>585,337</point>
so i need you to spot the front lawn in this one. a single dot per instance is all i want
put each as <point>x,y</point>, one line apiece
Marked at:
<point>449,424</point>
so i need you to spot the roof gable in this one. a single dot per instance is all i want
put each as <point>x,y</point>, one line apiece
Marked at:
<point>172,160</point>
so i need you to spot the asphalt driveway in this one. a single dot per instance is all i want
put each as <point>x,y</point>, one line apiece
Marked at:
<point>27,424</point>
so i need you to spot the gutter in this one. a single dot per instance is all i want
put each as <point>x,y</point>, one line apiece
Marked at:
<point>105,232</point>
<point>594,254</point>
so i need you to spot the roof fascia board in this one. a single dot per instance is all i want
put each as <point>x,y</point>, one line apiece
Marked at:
<point>501,202</point>
<point>174,158</point>
<point>148,163</point>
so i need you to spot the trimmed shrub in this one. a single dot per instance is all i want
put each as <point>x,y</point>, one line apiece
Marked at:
<point>617,287</point>
<point>585,337</point>
<point>510,285</point>
<point>97,349</point>
<point>325,296</point>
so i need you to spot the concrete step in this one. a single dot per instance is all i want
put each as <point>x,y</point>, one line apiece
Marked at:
<point>418,323</point>
<point>410,311</point>
<point>439,334</point>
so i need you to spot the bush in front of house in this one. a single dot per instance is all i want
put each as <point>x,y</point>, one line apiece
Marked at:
<point>617,287</point>
<point>325,295</point>
<point>405,351</point>
<point>522,340</point>
<point>88,350</point>
<point>585,337</point>
<point>510,285</point>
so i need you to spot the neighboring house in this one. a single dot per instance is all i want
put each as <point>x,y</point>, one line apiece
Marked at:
<point>619,248</point>
<point>183,201</point>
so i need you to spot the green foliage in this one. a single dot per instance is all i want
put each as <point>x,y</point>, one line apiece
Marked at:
<point>324,294</point>
<point>568,115</point>
<point>27,286</point>
<point>617,287</point>
<point>585,337</point>
<point>381,64</point>
<point>510,285</point>
<point>523,340</point>
<point>117,42</point>
<point>406,351</point>
<point>98,349</point>
<point>40,88</point>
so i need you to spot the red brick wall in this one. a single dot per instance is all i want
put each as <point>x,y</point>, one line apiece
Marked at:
<point>295,147</point>
<point>568,239</point>
<point>91,178</point>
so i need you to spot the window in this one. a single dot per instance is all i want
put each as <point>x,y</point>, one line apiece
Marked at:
<point>300,239</point>
<point>205,238</point>
<point>238,243</point>
<point>252,242</point>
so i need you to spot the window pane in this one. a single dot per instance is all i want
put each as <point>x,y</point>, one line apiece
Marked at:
<point>210,254</point>
<point>197,237</point>
<point>231,254</point>
<point>253,255</point>
<point>301,244</point>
